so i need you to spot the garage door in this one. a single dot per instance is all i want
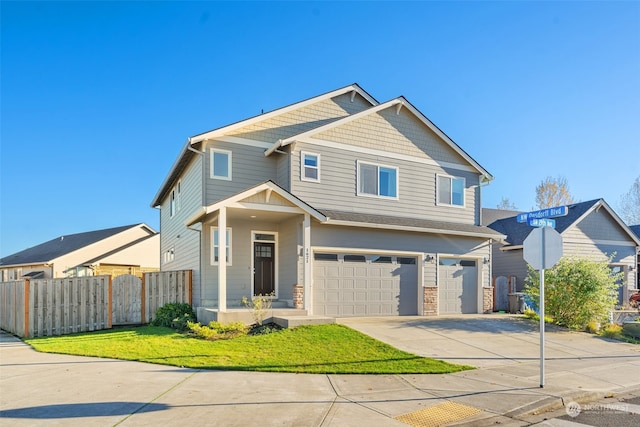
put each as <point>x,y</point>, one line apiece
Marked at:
<point>458,285</point>
<point>364,285</point>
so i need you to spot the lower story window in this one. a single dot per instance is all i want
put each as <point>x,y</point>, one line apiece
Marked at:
<point>215,250</point>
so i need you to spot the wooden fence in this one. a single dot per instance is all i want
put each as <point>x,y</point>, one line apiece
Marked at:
<point>46,307</point>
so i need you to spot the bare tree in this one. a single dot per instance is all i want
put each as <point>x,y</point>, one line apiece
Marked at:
<point>553,192</point>
<point>506,204</point>
<point>630,204</point>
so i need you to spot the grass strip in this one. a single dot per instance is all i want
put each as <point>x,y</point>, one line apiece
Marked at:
<point>318,349</point>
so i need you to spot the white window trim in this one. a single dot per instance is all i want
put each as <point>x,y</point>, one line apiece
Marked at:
<point>229,243</point>
<point>464,195</point>
<point>169,255</point>
<point>303,166</point>
<point>172,203</point>
<point>378,165</point>
<point>212,152</point>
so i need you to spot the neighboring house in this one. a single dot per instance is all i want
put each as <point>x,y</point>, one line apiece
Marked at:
<point>338,205</point>
<point>590,229</point>
<point>132,249</point>
<point>636,230</point>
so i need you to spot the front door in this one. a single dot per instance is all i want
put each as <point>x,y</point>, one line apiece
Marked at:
<point>264,268</point>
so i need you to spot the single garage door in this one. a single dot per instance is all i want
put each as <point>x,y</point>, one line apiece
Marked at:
<point>458,285</point>
<point>364,285</point>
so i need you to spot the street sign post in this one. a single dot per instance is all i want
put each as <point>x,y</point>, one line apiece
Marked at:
<point>542,249</point>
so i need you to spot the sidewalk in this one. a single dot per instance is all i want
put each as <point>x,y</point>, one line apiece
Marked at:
<point>47,389</point>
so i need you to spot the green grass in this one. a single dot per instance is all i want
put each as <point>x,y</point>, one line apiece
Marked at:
<point>322,349</point>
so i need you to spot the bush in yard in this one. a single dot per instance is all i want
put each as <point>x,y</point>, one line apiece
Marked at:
<point>577,291</point>
<point>174,315</point>
<point>611,331</point>
<point>259,305</point>
<point>217,331</point>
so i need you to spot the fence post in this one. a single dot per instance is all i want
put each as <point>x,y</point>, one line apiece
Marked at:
<point>110,305</point>
<point>143,298</point>
<point>26,308</point>
<point>190,286</point>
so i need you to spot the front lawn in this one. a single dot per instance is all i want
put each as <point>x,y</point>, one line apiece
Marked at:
<point>322,349</point>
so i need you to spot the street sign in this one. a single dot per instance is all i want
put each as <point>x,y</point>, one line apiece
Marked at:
<point>543,213</point>
<point>542,248</point>
<point>544,222</point>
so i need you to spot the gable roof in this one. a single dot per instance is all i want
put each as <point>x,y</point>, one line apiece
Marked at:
<point>62,245</point>
<point>268,186</point>
<point>188,150</point>
<point>635,229</point>
<point>517,232</point>
<point>398,103</point>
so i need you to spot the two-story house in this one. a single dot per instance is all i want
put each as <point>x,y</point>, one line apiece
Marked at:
<point>338,205</point>
<point>590,229</point>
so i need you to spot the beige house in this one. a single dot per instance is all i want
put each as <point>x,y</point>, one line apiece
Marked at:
<point>131,249</point>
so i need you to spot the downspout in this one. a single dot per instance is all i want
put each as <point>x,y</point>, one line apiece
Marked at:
<point>202,195</point>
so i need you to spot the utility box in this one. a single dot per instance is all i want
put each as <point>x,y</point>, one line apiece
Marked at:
<point>516,303</point>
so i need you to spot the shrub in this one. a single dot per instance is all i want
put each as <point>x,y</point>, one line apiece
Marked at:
<point>259,305</point>
<point>174,315</point>
<point>593,327</point>
<point>269,328</point>
<point>217,331</point>
<point>577,291</point>
<point>611,330</point>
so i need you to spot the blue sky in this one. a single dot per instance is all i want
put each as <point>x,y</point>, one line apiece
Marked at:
<point>97,98</point>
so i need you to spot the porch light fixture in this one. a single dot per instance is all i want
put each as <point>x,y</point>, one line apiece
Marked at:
<point>429,258</point>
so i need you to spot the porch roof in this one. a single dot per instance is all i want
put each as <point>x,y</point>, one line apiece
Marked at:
<point>269,187</point>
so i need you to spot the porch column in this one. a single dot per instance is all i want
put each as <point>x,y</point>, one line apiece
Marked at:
<point>306,243</point>
<point>222,259</point>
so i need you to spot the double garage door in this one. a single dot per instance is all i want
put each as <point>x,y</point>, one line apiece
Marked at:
<point>364,285</point>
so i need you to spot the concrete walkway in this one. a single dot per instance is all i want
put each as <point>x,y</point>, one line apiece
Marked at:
<point>46,389</point>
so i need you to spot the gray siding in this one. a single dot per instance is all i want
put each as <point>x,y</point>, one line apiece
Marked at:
<point>239,274</point>
<point>509,263</point>
<point>249,168</point>
<point>185,241</point>
<point>337,188</point>
<point>283,174</point>
<point>371,239</point>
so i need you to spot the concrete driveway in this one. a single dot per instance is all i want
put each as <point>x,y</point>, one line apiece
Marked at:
<point>49,389</point>
<point>507,343</point>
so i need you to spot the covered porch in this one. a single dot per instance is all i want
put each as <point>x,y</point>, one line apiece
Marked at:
<point>263,253</point>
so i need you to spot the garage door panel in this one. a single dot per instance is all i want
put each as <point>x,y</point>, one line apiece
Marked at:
<point>366,288</point>
<point>458,293</point>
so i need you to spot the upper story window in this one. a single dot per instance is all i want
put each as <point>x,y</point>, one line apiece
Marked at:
<point>450,190</point>
<point>310,166</point>
<point>175,199</point>
<point>377,180</point>
<point>220,164</point>
<point>215,250</point>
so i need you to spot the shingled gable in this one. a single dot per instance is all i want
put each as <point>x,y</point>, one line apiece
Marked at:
<point>189,150</point>
<point>397,103</point>
<point>517,232</point>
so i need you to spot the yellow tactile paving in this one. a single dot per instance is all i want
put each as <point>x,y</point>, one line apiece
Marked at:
<point>438,415</point>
